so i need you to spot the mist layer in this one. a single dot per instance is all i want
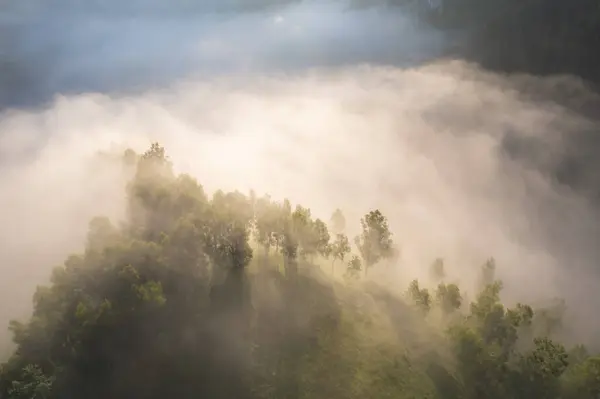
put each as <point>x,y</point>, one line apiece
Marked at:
<point>424,144</point>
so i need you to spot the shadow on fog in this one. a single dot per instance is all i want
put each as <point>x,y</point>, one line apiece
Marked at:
<point>69,51</point>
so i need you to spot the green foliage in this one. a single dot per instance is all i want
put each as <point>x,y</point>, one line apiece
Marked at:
<point>340,248</point>
<point>354,268</point>
<point>173,302</point>
<point>375,242</point>
<point>420,296</point>
<point>448,297</point>
<point>521,315</point>
<point>540,370</point>
<point>582,380</point>
<point>320,239</point>
<point>32,385</point>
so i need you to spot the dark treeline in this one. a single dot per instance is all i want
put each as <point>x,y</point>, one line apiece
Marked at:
<point>240,296</point>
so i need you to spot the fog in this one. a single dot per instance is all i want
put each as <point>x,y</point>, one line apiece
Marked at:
<point>328,106</point>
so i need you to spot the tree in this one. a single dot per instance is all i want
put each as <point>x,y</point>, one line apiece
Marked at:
<point>338,222</point>
<point>33,385</point>
<point>549,319</point>
<point>520,315</point>
<point>266,220</point>
<point>541,369</point>
<point>339,249</point>
<point>320,239</point>
<point>488,273</point>
<point>437,271</point>
<point>302,230</point>
<point>448,297</point>
<point>375,242</point>
<point>582,381</point>
<point>420,296</point>
<point>354,268</point>
<point>479,370</point>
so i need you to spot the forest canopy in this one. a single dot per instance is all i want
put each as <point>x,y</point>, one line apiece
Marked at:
<point>235,295</point>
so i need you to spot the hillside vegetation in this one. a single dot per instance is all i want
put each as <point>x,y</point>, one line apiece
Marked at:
<point>242,296</point>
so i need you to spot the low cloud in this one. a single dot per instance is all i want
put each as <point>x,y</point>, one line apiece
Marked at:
<point>424,144</point>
